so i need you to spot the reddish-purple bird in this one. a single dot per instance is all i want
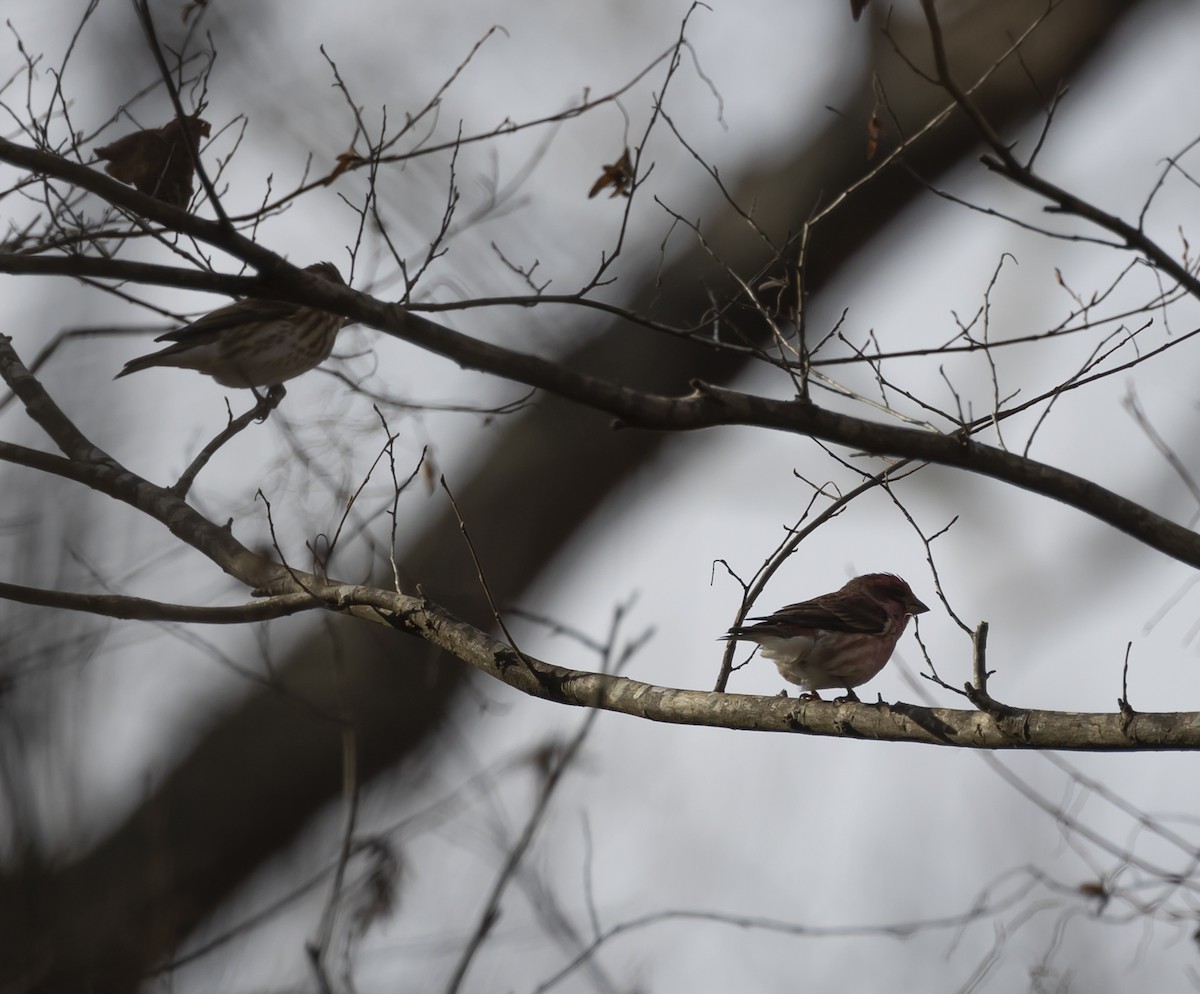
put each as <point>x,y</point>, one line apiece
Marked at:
<point>836,640</point>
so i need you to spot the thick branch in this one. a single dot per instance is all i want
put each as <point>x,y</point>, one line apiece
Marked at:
<point>1014,729</point>
<point>708,406</point>
<point>1009,728</point>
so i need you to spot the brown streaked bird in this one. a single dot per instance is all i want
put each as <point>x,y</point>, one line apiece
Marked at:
<point>252,343</point>
<point>840,639</point>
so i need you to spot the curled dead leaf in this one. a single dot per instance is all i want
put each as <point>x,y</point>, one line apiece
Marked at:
<point>345,161</point>
<point>618,175</point>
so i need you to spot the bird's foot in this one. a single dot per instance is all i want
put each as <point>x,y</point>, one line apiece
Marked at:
<point>267,402</point>
<point>849,697</point>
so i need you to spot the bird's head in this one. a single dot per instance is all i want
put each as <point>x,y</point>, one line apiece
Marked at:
<point>889,587</point>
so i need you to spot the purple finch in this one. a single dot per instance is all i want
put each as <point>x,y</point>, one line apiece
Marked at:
<point>836,640</point>
<point>252,343</point>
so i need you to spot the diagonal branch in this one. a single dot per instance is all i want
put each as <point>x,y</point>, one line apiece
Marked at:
<point>1014,728</point>
<point>144,609</point>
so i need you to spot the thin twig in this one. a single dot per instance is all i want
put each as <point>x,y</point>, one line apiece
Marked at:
<point>258,413</point>
<point>487,592</point>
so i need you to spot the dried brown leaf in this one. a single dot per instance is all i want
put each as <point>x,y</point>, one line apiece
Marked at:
<point>618,175</point>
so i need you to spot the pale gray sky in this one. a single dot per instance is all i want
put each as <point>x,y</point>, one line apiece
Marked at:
<point>821,832</point>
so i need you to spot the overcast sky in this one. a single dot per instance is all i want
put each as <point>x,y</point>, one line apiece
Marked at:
<point>815,832</point>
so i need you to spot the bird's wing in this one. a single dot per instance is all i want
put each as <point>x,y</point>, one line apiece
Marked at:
<point>231,316</point>
<point>838,612</point>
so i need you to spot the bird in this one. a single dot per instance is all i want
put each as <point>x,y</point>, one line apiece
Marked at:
<point>252,343</point>
<point>840,639</point>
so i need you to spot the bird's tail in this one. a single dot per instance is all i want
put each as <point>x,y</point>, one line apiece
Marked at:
<point>142,362</point>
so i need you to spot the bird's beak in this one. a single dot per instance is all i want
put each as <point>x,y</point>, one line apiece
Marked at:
<point>916,607</point>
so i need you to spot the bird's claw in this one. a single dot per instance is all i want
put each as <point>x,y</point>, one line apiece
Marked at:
<point>269,401</point>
